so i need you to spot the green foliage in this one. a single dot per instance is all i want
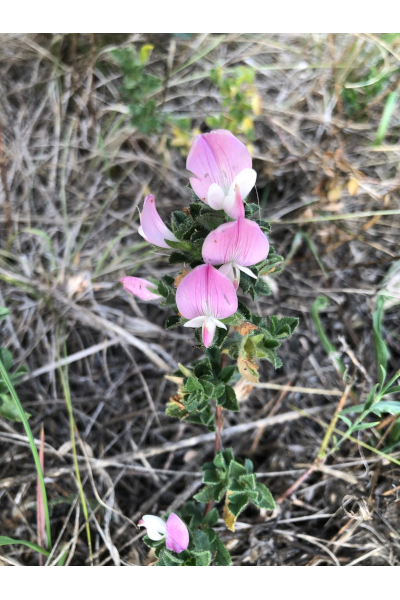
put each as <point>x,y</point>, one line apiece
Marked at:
<point>381,349</point>
<point>262,343</point>
<point>271,266</point>
<point>204,548</point>
<point>227,476</point>
<point>239,99</point>
<point>8,409</point>
<point>138,88</point>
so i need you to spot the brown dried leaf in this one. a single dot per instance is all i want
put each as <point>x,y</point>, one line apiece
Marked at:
<point>245,327</point>
<point>175,400</point>
<point>334,194</point>
<point>179,278</point>
<point>352,186</point>
<point>248,369</point>
<point>228,517</point>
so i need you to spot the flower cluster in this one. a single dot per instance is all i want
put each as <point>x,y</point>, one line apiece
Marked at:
<point>222,177</point>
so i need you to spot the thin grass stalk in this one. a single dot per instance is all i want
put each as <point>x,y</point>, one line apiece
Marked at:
<point>67,395</point>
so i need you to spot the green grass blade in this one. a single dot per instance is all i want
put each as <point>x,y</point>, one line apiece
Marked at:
<point>28,431</point>
<point>5,541</point>
<point>386,116</point>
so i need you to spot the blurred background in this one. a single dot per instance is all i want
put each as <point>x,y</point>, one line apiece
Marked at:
<point>90,124</point>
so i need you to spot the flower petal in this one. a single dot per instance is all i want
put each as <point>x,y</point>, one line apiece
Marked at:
<point>196,322</point>
<point>233,205</point>
<point>216,157</point>
<point>241,242</point>
<point>206,292</point>
<point>208,331</point>
<point>215,196</point>
<point>152,227</point>
<point>246,180</point>
<point>156,527</point>
<point>142,288</point>
<point>247,271</point>
<point>177,534</point>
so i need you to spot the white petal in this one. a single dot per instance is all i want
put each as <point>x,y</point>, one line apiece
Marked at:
<point>246,270</point>
<point>156,527</point>
<point>246,180</point>
<point>227,270</point>
<point>215,196</point>
<point>218,323</point>
<point>196,322</point>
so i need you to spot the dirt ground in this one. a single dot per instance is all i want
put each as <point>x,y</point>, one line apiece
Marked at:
<point>74,171</point>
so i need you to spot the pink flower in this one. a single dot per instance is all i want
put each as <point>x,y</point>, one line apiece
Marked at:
<point>236,246</point>
<point>204,296</point>
<point>174,530</point>
<point>152,227</point>
<point>219,162</point>
<point>140,288</point>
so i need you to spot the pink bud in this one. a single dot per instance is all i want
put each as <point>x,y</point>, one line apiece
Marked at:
<point>152,227</point>
<point>177,538</point>
<point>141,288</point>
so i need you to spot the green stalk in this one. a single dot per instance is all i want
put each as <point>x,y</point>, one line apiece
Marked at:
<point>319,304</point>
<point>32,444</point>
<point>67,395</point>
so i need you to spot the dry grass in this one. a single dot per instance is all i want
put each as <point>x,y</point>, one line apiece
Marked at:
<point>76,171</point>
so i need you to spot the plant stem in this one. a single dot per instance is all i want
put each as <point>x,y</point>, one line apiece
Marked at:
<point>32,444</point>
<point>217,446</point>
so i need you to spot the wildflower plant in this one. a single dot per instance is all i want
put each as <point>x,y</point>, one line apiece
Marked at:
<point>223,251</point>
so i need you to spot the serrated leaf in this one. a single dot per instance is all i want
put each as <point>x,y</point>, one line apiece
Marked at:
<point>222,557</point>
<point>265,499</point>
<point>228,400</point>
<point>237,503</point>
<point>205,495</point>
<point>203,559</point>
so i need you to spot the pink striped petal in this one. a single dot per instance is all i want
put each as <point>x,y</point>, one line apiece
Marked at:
<point>216,157</point>
<point>206,292</point>
<point>177,538</point>
<point>152,227</point>
<point>240,242</point>
<point>142,288</point>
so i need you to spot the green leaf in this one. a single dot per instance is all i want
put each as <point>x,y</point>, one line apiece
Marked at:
<point>6,357</point>
<point>236,469</point>
<point>203,559</point>
<point>211,477</point>
<point>265,499</point>
<point>205,495</point>
<point>237,503</point>
<point>228,400</point>
<point>222,557</point>
<point>172,321</point>
<point>192,384</point>
<point>4,312</point>
<point>4,541</point>
<point>211,518</point>
<point>9,410</point>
